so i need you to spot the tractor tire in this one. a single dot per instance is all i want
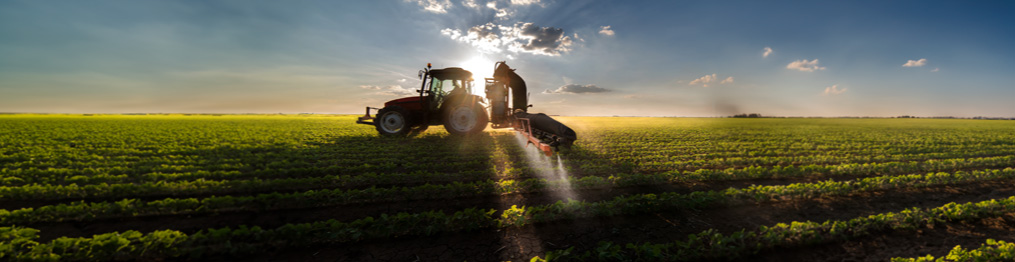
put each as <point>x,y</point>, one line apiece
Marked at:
<point>393,121</point>
<point>465,119</point>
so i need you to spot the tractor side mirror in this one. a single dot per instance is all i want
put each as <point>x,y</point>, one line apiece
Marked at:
<point>530,105</point>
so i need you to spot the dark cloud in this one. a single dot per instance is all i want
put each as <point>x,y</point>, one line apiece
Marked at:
<point>544,40</point>
<point>577,89</point>
<point>518,38</point>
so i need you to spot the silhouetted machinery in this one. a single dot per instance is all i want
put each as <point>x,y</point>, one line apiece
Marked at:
<point>445,98</point>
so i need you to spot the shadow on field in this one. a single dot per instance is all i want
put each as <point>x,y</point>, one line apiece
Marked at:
<point>429,154</point>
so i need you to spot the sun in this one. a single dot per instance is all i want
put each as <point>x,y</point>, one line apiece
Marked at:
<point>480,66</point>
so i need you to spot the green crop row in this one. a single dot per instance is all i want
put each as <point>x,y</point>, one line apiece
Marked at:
<point>149,173</point>
<point>993,250</point>
<point>12,176</point>
<point>83,211</point>
<point>184,188</point>
<point>116,175</point>
<point>649,166</point>
<point>712,245</point>
<point>19,243</point>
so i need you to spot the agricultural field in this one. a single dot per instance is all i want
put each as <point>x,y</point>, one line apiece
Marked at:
<point>315,187</point>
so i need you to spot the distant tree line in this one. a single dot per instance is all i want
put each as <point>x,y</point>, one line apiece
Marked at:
<point>751,115</point>
<point>756,115</point>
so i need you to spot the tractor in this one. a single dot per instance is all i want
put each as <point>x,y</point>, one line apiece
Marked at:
<point>446,98</point>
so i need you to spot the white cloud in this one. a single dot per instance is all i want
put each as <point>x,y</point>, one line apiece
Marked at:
<point>392,90</point>
<point>470,4</point>
<point>524,2</point>
<point>435,6</point>
<point>805,66</point>
<point>500,12</point>
<point>704,80</point>
<point>936,69</point>
<point>768,51</point>
<point>834,90</point>
<point>453,33</point>
<point>707,80</point>
<point>915,63</point>
<point>486,38</point>
<point>577,89</point>
<point>605,30</point>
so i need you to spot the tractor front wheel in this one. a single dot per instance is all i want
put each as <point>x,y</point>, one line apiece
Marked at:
<point>392,121</point>
<point>465,119</point>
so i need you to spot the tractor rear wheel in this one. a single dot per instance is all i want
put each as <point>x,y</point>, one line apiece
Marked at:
<point>465,119</point>
<point>392,121</point>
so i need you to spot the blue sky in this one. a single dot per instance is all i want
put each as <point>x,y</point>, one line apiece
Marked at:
<point>654,58</point>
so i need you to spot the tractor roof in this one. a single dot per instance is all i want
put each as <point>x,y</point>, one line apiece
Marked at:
<point>451,73</point>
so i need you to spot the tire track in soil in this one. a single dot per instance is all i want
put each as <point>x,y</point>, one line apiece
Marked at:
<point>584,234</point>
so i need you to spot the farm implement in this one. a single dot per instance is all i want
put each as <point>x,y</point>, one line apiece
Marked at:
<point>445,98</point>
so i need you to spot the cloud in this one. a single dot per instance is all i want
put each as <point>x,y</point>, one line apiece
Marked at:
<point>392,90</point>
<point>435,6</point>
<point>486,38</point>
<point>577,89</point>
<point>500,12</point>
<point>805,66</point>
<point>524,2</point>
<point>915,63</point>
<point>605,30</point>
<point>936,69</point>
<point>707,80</point>
<point>768,51</point>
<point>549,41</point>
<point>518,38</point>
<point>704,80</point>
<point>834,90</point>
<point>470,4</point>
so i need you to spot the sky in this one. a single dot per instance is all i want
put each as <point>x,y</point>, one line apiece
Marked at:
<point>589,58</point>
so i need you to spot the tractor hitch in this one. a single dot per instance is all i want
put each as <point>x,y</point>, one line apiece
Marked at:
<point>367,119</point>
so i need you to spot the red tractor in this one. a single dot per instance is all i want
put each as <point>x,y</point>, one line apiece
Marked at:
<point>445,98</point>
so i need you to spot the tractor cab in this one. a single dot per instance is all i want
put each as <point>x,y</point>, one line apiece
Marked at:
<point>445,97</point>
<point>443,83</point>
